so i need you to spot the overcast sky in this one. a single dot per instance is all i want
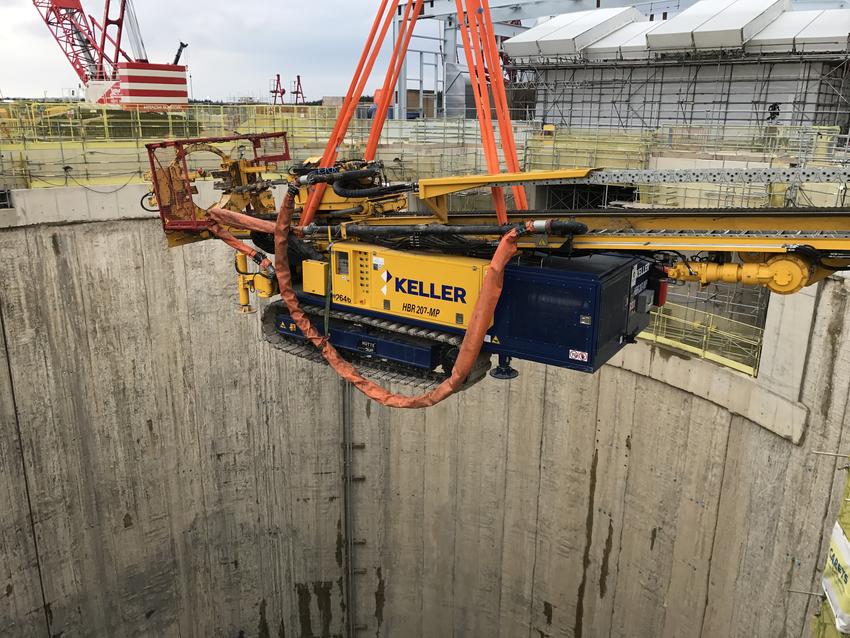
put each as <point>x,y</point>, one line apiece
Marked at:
<point>234,47</point>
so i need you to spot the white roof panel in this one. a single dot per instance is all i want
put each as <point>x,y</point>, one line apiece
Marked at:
<point>677,32</point>
<point>827,32</point>
<point>525,43</point>
<point>779,36</point>
<point>627,42</point>
<point>570,33</point>
<point>574,37</point>
<point>759,26</point>
<point>737,23</point>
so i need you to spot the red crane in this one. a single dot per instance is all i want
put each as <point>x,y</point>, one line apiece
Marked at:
<point>96,51</point>
<point>93,48</point>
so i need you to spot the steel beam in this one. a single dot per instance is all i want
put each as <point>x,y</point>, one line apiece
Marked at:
<point>832,175</point>
<point>503,10</point>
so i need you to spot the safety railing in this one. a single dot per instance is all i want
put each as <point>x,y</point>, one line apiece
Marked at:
<point>710,336</point>
<point>53,144</point>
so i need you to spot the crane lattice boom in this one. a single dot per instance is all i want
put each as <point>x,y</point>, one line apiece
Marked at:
<point>68,24</point>
<point>93,48</point>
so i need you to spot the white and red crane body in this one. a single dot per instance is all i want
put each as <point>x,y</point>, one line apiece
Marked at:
<point>97,53</point>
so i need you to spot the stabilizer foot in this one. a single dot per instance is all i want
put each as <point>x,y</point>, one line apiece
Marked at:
<point>504,370</point>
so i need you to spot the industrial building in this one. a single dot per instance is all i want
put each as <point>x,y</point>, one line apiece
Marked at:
<point>746,64</point>
<point>180,457</point>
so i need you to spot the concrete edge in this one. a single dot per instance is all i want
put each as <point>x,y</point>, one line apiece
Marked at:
<point>751,400</point>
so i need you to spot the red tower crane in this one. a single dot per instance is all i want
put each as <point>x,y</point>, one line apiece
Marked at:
<point>96,51</point>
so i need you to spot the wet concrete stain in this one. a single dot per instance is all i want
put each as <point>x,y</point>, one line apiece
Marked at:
<point>302,590</point>
<point>629,442</point>
<point>128,520</point>
<point>340,543</point>
<point>547,611</point>
<point>149,613</point>
<point>341,585</point>
<point>322,591</point>
<point>263,627</point>
<point>54,240</point>
<point>9,590</point>
<point>281,631</point>
<point>834,330</point>
<point>652,536</point>
<point>578,628</point>
<point>380,598</point>
<point>606,555</point>
<point>667,354</point>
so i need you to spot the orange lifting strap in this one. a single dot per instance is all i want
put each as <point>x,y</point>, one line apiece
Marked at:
<point>355,90</point>
<point>479,45</point>
<point>483,61</point>
<point>402,43</point>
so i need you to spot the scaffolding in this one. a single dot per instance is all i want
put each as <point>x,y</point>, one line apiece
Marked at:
<point>686,90</point>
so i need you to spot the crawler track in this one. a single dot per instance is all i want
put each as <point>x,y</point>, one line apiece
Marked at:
<point>377,370</point>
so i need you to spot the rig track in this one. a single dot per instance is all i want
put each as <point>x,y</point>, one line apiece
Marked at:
<point>377,370</point>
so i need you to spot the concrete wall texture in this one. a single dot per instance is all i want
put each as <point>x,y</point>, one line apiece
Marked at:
<point>163,472</point>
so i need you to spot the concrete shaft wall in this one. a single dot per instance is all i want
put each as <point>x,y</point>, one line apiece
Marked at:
<point>161,472</point>
<point>165,473</point>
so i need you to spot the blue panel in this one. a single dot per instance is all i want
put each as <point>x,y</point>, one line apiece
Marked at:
<point>573,313</point>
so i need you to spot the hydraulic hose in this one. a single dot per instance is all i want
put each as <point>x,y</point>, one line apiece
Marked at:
<point>344,183</point>
<point>331,178</point>
<point>343,189</point>
<point>482,316</point>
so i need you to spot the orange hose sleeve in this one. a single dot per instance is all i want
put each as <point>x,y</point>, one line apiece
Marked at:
<point>227,237</point>
<point>482,316</point>
<point>239,220</point>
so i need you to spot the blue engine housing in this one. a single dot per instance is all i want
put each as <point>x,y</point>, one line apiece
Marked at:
<point>573,313</point>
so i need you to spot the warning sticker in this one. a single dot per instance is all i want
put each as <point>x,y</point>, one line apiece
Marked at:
<point>377,263</point>
<point>578,355</point>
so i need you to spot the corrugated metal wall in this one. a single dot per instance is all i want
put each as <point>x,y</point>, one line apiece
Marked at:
<point>646,96</point>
